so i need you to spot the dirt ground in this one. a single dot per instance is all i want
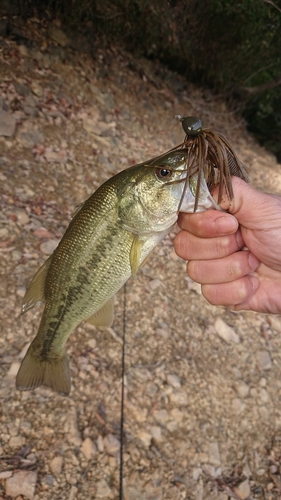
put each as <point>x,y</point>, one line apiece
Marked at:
<point>203,384</point>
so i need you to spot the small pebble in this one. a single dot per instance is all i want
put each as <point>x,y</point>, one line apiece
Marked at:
<point>264,360</point>
<point>174,380</point>
<point>56,465</point>
<point>88,448</point>
<point>226,332</point>
<point>49,246</point>
<point>103,490</point>
<point>111,444</point>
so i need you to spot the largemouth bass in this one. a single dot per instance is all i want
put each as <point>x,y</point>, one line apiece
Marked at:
<point>108,239</point>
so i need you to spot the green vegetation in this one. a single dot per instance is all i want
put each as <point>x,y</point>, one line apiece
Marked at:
<point>233,46</point>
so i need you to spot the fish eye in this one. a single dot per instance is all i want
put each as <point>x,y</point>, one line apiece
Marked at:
<point>163,173</point>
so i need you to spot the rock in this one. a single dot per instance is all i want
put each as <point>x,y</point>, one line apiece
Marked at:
<point>88,448</point>
<point>174,381</point>
<point>49,246</point>
<point>145,438</point>
<point>28,136</point>
<point>37,89</point>
<point>16,255</point>
<point>244,490</point>
<point>154,284</point>
<point>264,396</point>
<point>58,35</point>
<point>22,89</point>
<point>238,405</point>
<point>56,156</point>
<point>214,454</point>
<point>177,415</point>
<point>29,106</point>
<point>242,389</point>
<point>197,471</point>
<point>264,360</point>
<point>23,50</point>
<point>7,124</point>
<point>47,481</point>
<point>111,444</point>
<point>92,343</point>
<point>103,490</point>
<point>72,430</point>
<point>73,493</point>
<point>100,444</point>
<point>226,332</point>
<point>21,216</point>
<point>5,474</point>
<point>275,322</point>
<point>179,398</point>
<point>264,413</point>
<point>156,434</point>
<point>56,465</point>
<point>21,483</point>
<point>17,441</point>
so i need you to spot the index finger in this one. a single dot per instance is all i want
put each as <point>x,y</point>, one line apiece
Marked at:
<point>208,224</point>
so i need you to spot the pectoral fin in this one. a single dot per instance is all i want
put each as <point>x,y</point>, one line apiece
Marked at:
<point>35,292</point>
<point>135,255</point>
<point>103,318</point>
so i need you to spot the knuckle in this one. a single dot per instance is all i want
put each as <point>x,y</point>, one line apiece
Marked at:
<point>193,271</point>
<point>223,246</point>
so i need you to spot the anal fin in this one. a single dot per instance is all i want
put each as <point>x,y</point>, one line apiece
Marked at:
<point>103,318</point>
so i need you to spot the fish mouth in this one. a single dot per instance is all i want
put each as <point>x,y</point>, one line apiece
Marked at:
<point>196,196</point>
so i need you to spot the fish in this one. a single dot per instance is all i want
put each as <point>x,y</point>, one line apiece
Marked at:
<point>109,237</point>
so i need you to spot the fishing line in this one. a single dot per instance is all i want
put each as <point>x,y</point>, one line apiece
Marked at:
<point>122,399</point>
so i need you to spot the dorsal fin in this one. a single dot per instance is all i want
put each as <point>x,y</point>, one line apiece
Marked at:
<point>77,209</point>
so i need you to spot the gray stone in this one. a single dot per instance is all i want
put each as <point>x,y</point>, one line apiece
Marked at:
<point>22,89</point>
<point>174,380</point>
<point>214,454</point>
<point>264,360</point>
<point>226,332</point>
<point>111,444</point>
<point>28,136</point>
<point>49,246</point>
<point>7,124</point>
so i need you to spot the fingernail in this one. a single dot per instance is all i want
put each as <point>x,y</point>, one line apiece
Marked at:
<point>254,282</point>
<point>226,224</point>
<point>253,261</point>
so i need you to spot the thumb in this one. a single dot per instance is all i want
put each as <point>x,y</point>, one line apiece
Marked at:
<point>250,207</point>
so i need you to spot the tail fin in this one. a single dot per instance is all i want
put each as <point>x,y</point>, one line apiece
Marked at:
<point>34,372</point>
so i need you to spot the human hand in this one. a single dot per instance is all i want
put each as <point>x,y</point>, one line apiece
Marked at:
<point>213,243</point>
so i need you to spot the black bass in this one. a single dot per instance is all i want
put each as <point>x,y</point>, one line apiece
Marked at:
<point>108,239</point>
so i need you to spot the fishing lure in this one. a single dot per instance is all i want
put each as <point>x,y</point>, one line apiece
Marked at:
<point>211,155</point>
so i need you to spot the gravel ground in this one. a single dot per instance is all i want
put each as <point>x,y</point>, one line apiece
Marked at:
<point>202,409</point>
